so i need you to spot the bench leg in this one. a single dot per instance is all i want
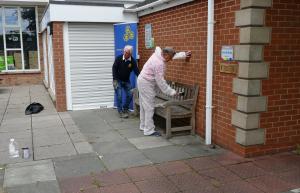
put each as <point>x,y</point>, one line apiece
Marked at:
<point>168,123</point>
<point>193,124</point>
<point>136,110</point>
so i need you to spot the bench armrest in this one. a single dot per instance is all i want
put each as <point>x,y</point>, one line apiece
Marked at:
<point>174,102</point>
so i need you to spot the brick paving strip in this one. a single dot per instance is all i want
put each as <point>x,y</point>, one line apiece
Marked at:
<point>226,173</point>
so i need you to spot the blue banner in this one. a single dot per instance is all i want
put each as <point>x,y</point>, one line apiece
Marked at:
<point>126,34</point>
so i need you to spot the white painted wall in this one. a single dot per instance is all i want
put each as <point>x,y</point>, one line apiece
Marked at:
<point>24,2</point>
<point>84,13</point>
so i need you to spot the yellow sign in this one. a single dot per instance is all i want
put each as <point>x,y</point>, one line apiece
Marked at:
<point>129,35</point>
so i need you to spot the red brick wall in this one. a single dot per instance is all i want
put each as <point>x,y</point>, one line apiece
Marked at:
<point>223,99</point>
<point>185,28</point>
<point>12,79</point>
<point>282,121</point>
<point>59,66</point>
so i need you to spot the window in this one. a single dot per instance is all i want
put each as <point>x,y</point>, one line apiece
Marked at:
<point>11,16</point>
<point>18,39</point>
<point>2,58</point>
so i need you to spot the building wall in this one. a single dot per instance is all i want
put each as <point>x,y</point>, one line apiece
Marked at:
<point>59,66</point>
<point>282,120</point>
<point>185,28</point>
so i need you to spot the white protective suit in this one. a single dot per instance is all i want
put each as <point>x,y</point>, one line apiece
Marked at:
<point>151,77</point>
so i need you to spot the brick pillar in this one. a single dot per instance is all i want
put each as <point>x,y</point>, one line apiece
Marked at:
<point>252,69</point>
<point>59,66</point>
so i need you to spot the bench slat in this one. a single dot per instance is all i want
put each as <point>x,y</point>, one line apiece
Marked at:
<point>184,128</point>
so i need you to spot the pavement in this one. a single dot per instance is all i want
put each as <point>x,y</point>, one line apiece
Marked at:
<point>96,151</point>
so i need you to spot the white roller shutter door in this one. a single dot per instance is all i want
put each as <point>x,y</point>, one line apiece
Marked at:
<point>91,49</point>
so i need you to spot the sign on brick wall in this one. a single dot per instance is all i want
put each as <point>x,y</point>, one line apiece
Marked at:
<point>227,53</point>
<point>149,40</point>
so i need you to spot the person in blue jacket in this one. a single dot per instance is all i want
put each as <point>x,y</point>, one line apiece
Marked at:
<point>122,67</point>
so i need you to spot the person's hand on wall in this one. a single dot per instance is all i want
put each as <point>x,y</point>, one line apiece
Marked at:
<point>188,56</point>
<point>115,84</point>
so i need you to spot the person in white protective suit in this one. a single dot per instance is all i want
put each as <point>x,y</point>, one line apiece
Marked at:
<point>150,79</point>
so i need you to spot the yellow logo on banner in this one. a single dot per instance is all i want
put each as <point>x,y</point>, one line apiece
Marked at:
<point>129,35</point>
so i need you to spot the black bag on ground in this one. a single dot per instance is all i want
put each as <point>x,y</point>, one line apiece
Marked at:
<point>33,108</point>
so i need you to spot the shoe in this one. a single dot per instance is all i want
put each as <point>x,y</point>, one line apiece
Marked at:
<point>155,134</point>
<point>124,115</point>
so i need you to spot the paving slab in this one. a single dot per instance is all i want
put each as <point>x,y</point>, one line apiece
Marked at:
<point>78,165</point>
<point>159,185</point>
<point>89,121</point>
<point>271,184</point>
<point>229,158</point>
<point>83,147</point>
<point>77,183</point>
<point>131,133</point>
<point>107,136</point>
<point>189,180</point>
<point>202,163</point>
<point>68,121</point>
<point>28,173</point>
<point>51,139</point>
<point>164,154</point>
<point>186,140</point>
<point>175,167</point>
<point>124,188</point>
<point>247,170</point>
<point>126,124</point>
<point>149,142</point>
<point>125,160</point>
<point>77,137</point>
<point>15,134</point>
<point>274,165</point>
<point>72,128</point>
<point>239,186</point>
<point>54,151</point>
<point>143,173</point>
<point>38,187</point>
<point>221,175</point>
<point>65,115</point>
<point>46,123</point>
<point>197,150</point>
<point>110,178</point>
<point>117,146</point>
<point>291,176</point>
<point>16,122</point>
<point>49,130</point>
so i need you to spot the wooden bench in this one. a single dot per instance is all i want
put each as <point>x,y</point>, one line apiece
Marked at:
<point>176,107</point>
